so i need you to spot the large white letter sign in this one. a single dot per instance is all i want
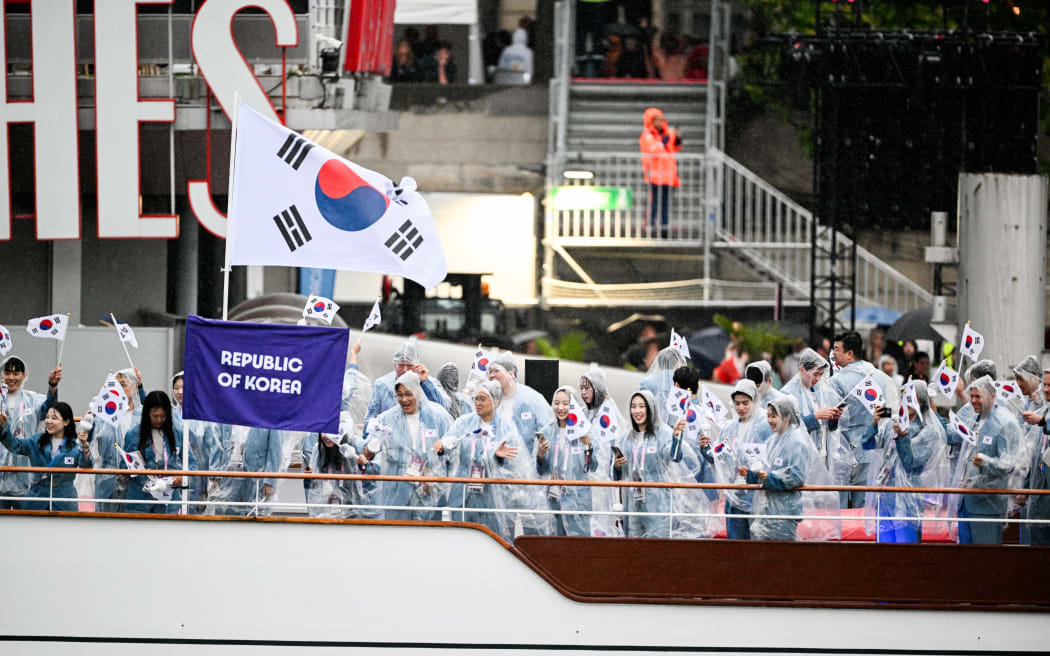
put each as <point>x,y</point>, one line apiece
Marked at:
<point>227,73</point>
<point>118,112</point>
<point>53,113</point>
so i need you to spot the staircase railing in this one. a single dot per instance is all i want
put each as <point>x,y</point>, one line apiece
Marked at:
<point>775,234</point>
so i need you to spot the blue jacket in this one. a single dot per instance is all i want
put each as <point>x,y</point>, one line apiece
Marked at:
<point>69,455</point>
<point>24,414</point>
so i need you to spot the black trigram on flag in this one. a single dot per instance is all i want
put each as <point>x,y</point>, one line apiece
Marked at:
<point>294,150</point>
<point>292,228</point>
<point>405,241</point>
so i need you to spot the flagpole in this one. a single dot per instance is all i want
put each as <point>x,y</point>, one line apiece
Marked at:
<point>62,346</point>
<point>229,208</point>
<point>122,342</point>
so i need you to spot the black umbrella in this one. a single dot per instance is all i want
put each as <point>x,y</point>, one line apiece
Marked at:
<point>708,347</point>
<point>916,325</point>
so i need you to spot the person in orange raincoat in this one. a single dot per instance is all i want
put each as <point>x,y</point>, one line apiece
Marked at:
<point>659,143</point>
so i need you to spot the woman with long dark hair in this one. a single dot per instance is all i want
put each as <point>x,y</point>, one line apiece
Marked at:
<point>57,446</point>
<point>645,454</point>
<point>159,443</point>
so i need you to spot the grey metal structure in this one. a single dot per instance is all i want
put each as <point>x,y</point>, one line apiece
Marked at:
<point>1002,262</point>
<point>722,216</point>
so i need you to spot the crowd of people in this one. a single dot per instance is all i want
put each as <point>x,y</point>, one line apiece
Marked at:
<point>814,430</point>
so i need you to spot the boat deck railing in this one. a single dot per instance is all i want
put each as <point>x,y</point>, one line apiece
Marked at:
<point>935,497</point>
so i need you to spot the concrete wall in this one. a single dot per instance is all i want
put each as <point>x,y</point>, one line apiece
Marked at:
<point>492,144</point>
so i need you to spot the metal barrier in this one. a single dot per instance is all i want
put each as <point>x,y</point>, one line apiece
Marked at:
<point>257,506</point>
<point>652,216</point>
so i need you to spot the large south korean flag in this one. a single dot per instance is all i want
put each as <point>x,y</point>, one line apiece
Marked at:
<point>296,204</point>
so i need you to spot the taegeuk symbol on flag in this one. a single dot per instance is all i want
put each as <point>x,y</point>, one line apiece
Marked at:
<point>296,204</point>
<point>319,307</point>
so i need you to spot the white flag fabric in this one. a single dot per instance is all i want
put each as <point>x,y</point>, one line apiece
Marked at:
<point>374,318</point>
<point>902,417</point>
<point>946,379</point>
<point>678,342</point>
<point>5,341</point>
<point>960,427</point>
<point>678,401</point>
<point>693,423</point>
<point>868,393</point>
<point>126,334</point>
<point>111,403</point>
<point>608,421</point>
<point>972,343</point>
<point>50,327</point>
<point>319,307</point>
<point>296,204</point>
<point>482,359</point>
<point>714,408</point>
<point>910,398</point>
<point>131,460</point>
<point>576,424</point>
<point>1008,391</point>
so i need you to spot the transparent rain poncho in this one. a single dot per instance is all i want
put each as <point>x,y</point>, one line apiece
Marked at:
<point>25,417</point>
<point>240,448</point>
<point>991,446</point>
<point>649,456</point>
<point>741,443</point>
<point>407,450</point>
<point>326,495</point>
<point>604,498</point>
<point>357,391</point>
<point>1030,372</point>
<point>792,461</point>
<point>660,378</point>
<point>471,445</point>
<point>448,378</point>
<point>831,445</point>
<point>567,459</point>
<point>916,459</point>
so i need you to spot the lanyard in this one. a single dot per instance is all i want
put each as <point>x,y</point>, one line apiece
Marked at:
<point>422,440</point>
<point>634,459</point>
<point>563,445</point>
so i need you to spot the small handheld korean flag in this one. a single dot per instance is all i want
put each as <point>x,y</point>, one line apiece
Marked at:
<point>723,450</point>
<point>1007,390</point>
<point>131,460</point>
<point>576,424</point>
<point>374,318</point>
<point>482,360</point>
<point>678,402</point>
<point>127,335</point>
<point>868,393</point>
<point>50,327</point>
<point>714,408</point>
<point>293,203</point>
<point>693,422</point>
<point>945,379</point>
<point>972,343</point>
<point>5,341</point>
<point>319,307</point>
<point>962,429</point>
<point>111,403</point>
<point>678,342</point>
<point>608,421</point>
<point>910,399</point>
<point>901,418</point>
